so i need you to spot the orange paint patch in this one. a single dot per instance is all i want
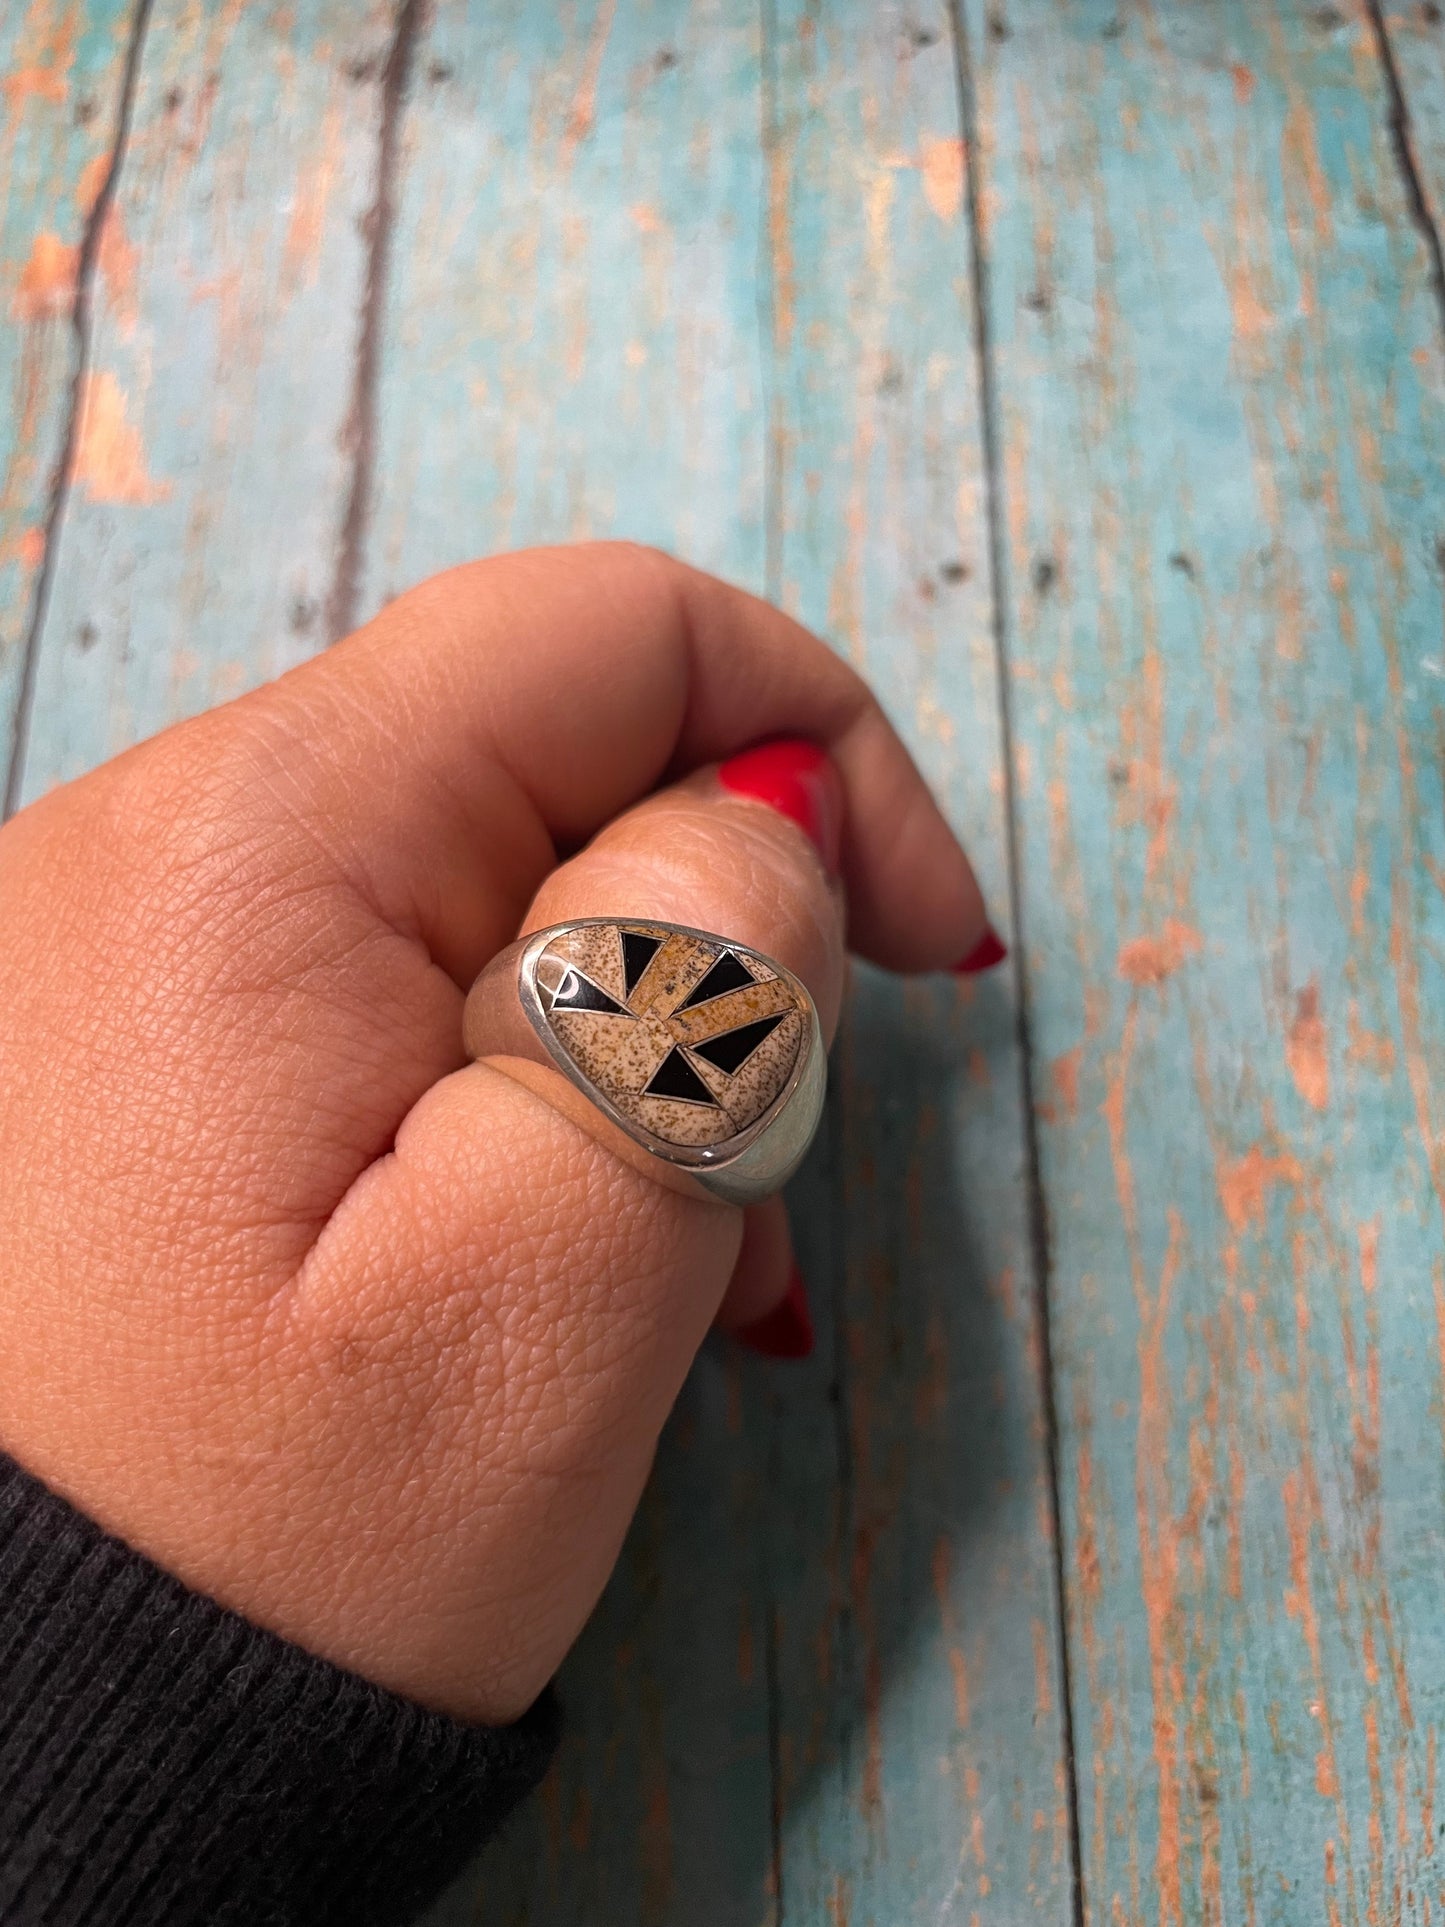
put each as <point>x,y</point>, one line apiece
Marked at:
<point>1043,1671</point>
<point>1372,1049</point>
<point>780,243</point>
<point>307,227</point>
<point>91,180</point>
<point>1306,1050</point>
<point>30,547</point>
<point>46,287</point>
<point>1087,1569</point>
<point>1244,1185</point>
<point>1243,83</point>
<point>32,83</point>
<point>1299,1604</point>
<point>1149,960</point>
<point>1251,317</point>
<point>1369,1236</point>
<point>1114,1113</point>
<point>49,47</point>
<point>1301,151</point>
<point>1064,1076</point>
<point>1159,1576</point>
<point>941,166</point>
<point>109,457</point>
<point>584,102</point>
<point>117,261</point>
<point>646,219</point>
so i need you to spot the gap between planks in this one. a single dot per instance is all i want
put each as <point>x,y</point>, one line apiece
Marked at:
<point>1402,141</point>
<point>412,19</point>
<point>82,329</point>
<point>995,512</point>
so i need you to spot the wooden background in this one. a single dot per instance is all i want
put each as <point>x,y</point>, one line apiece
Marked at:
<point>1078,366</point>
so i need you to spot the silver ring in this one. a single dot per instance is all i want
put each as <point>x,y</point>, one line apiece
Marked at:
<point>706,1054</point>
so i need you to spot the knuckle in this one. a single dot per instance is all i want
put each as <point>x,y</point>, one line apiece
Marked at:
<point>511,1309</point>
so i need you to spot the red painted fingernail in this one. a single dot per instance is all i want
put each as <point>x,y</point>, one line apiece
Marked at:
<point>798,778</point>
<point>787,1331</point>
<point>988,951</point>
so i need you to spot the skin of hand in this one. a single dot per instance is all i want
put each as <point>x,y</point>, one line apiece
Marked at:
<point>371,1344</point>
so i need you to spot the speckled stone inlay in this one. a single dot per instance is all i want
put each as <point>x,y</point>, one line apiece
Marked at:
<point>690,1038</point>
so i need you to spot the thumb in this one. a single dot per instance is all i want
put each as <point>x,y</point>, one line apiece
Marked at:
<point>508,1312</point>
<point>526,1302</point>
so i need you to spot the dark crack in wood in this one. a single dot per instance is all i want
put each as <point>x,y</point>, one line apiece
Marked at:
<point>1422,216</point>
<point>82,314</point>
<point>996,511</point>
<point>359,431</point>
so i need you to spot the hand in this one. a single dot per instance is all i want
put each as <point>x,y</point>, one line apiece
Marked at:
<point>371,1344</point>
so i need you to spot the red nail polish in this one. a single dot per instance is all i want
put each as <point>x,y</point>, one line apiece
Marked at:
<point>988,951</point>
<point>798,778</point>
<point>787,1331</point>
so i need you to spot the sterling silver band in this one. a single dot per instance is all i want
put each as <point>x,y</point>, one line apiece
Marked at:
<point>702,1052</point>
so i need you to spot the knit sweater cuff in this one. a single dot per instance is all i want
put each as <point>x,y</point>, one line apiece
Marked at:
<point>162,1759</point>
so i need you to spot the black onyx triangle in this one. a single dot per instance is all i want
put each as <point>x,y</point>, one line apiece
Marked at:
<point>638,951</point>
<point>576,992</point>
<point>675,1077</point>
<point>733,1049</point>
<point>726,974</point>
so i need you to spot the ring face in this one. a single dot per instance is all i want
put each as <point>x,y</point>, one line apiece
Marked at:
<point>688,1039</point>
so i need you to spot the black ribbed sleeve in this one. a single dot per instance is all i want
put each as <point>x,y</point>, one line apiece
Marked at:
<point>163,1763</point>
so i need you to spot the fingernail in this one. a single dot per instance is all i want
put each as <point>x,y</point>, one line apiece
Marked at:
<point>798,778</point>
<point>988,951</point>
<point>787,1331</point>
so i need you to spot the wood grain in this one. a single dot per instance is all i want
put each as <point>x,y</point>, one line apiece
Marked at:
<point>920,1710</point>
<point>1219,389</point>
<point>571,335</point>
<point>62,83</point>
<point>211,474</point>
<point>658,275</point>
<point>571,349</point>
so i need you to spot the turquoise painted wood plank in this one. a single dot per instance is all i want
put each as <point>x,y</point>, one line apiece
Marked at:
<point>572,348</point>
<point>920,1706</point>
<point>212,472</point>
<point>572,344</point>
<point>62,78</point>
<point>586,334</point>
<point>1220,389</point>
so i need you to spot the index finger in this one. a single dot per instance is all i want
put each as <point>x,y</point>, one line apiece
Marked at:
<point>520,703</point>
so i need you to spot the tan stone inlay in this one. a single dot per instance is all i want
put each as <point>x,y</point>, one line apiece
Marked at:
<point>620,1053</point>
<point>674,973</point>
<point>678,1123</point>
<point>614,1053</point>
<point>727,1012</point>
<point>597,953</point>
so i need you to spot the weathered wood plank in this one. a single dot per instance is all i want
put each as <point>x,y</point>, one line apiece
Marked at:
<point>62,76</point>
<point>211,468</point>
<point>920,1714</point>
<point>830,1561</point>
<point>571,335</point>
<point>1220,391</point>
<point>572,348</point>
